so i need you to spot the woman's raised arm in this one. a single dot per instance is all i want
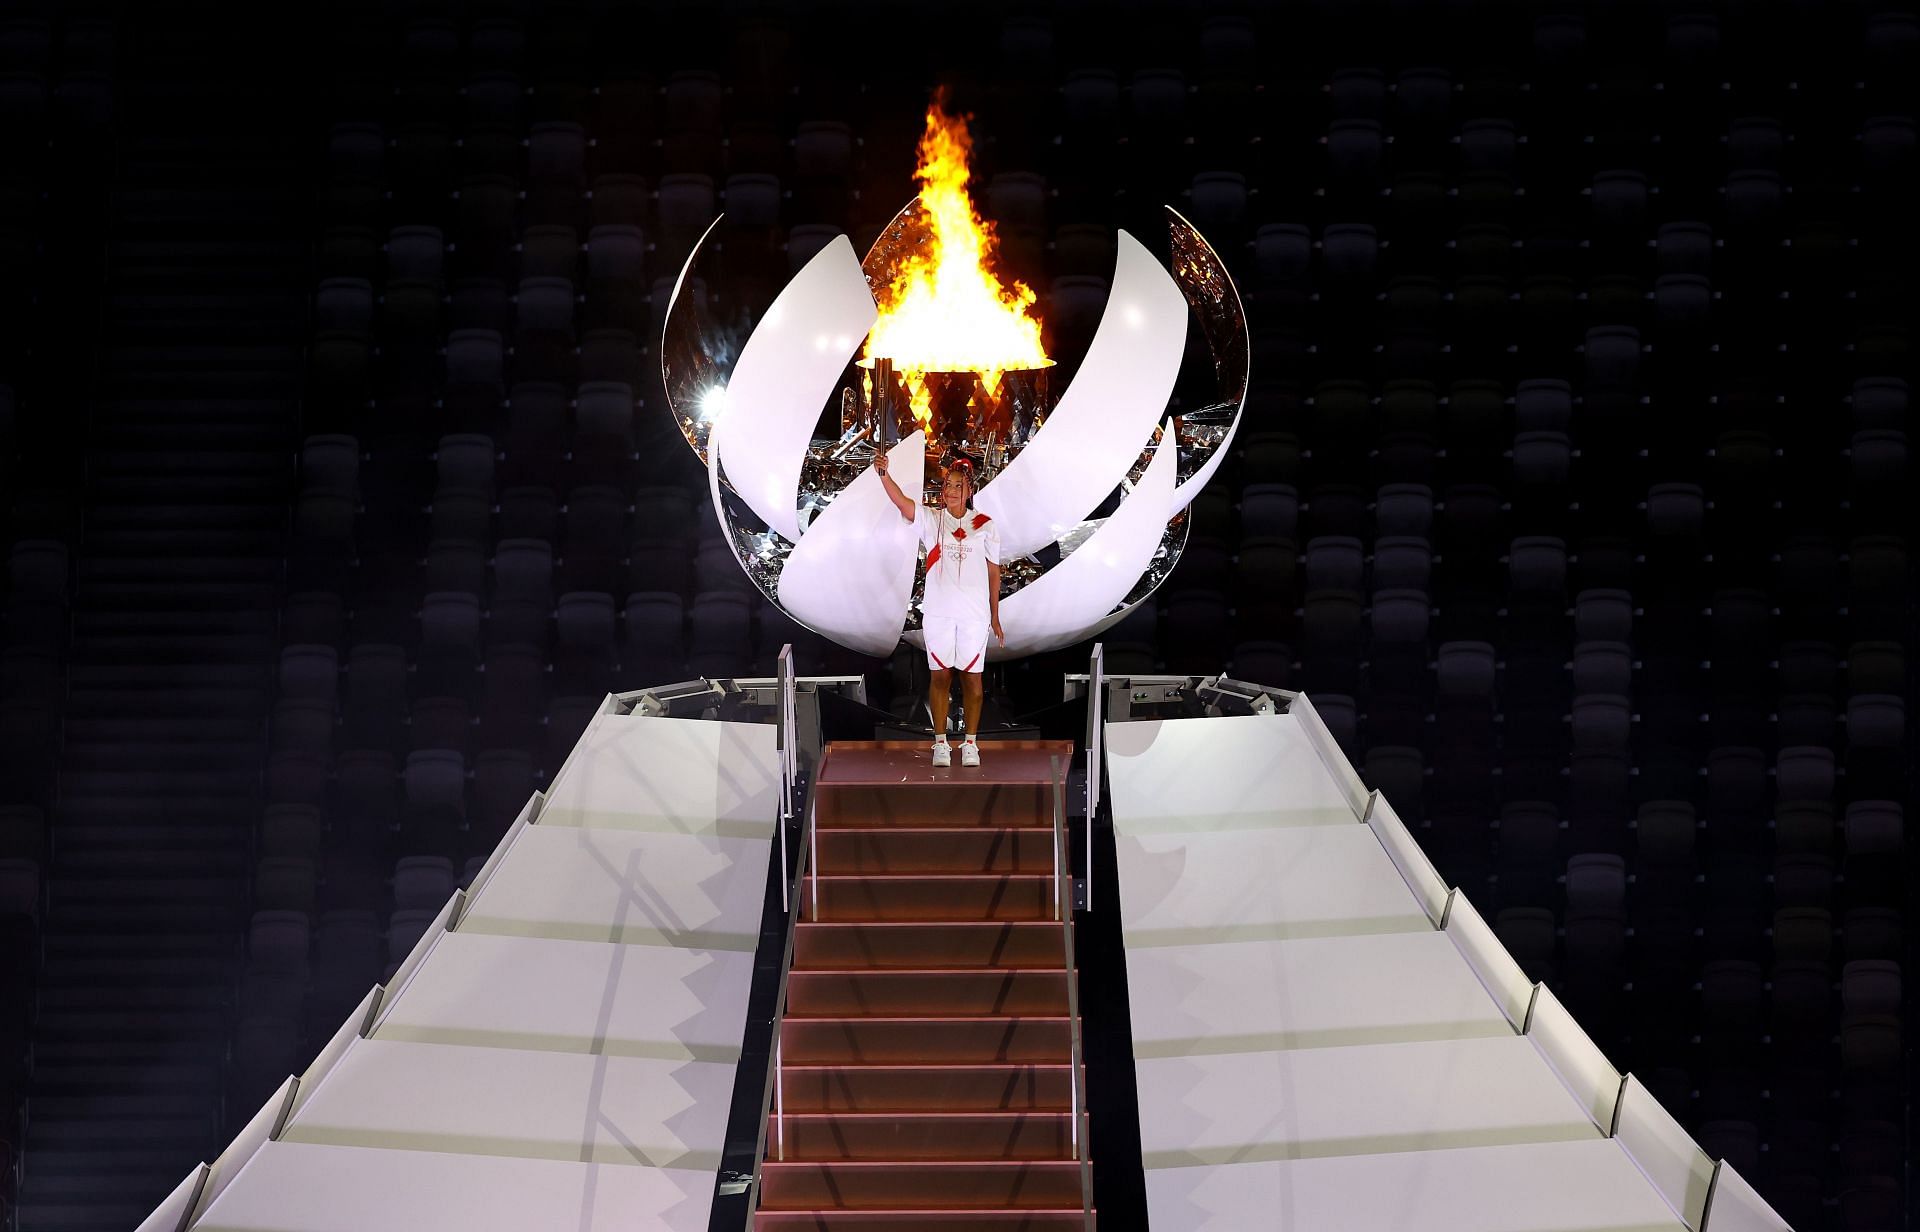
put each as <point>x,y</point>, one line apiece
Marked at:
<point>901,501</point>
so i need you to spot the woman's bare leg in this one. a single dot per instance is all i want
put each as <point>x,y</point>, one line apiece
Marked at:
<point>939,699</point>
<point>972,690</point>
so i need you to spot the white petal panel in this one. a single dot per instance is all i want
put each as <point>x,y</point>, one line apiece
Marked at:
<point>1068,601</point>
<point>1104,419</point>
<point>851,577</point>
<point>784,375</point>
<point>1184,494</point>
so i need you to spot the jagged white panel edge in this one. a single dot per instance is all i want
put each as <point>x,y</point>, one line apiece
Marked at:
<point>1184,494</point>
<point>1197,482</point>
<point>1064,604</point>
<point>1098,427</point>
<point>851,577</point>
<point>171,1215</point>
<point>785,374</point>
<point>1734,1206</point>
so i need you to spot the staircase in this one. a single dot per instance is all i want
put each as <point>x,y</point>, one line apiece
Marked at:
<point>193,419</point>
<point>926,1073</point>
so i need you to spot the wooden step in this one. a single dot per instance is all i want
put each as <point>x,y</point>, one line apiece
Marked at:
<point>935,849</point>
<point>926,1076</point>
<point>917,1136</point>
<point>958,805</point>
<point>1017,1219</point>
<point>942,897</point>
<point>924,1186</point>
<point>905,944</point>
<point>855,991</point>
<point>917,1088</point>
<point>829,1041</point>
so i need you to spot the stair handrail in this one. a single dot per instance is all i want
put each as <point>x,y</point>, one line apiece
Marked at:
<point>789,757</point>
<point>773,1099</point>
<point>1096,747</point>
<point>1063,909</point>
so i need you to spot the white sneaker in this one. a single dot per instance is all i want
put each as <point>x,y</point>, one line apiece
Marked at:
<point>969,753</point>
<point>942,755</point>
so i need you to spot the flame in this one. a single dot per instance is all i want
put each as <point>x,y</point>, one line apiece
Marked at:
<point>945,311</point>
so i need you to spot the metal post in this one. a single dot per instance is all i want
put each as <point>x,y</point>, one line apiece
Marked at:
<point>789,762</point>
<point>790,714</point>
<point>1080,1128</point>
<point>1096,752</point>
<point>772,1123</point>
<point>1059,844</point>
<point>813,862</point>
<point>785,737</point>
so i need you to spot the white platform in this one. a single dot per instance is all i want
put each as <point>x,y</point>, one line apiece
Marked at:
<point>1315,1051</point>
<point>1326,1038</point>
<point>1189,775</point>
<point>1362,1099</point>
<point>301,1187</point>
<point>1586,1186</point>
<point>688,777</point>
<point>589,884</point>
<point>563,1052</point>
<point>1268,884</point>
<point>1311,993</point>
<point>573,996</point>
<point>541,1105</point>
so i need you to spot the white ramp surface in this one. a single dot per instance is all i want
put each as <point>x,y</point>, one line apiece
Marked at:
<point>1326,1040</point>
<point>288,1185</point>
<point>563,1054</point>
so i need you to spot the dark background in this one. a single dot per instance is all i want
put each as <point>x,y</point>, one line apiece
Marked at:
<point>337,485</point>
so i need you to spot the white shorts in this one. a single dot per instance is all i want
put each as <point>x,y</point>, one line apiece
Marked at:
<point>955,643</point>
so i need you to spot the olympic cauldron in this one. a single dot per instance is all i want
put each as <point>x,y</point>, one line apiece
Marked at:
<point>1088,484</point>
